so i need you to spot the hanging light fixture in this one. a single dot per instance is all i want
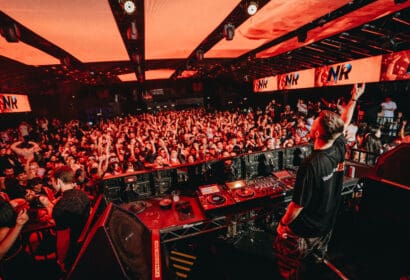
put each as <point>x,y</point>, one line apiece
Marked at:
<point>252,8</point>
<point>132,31</point>
<point>129,6</point>
<point>229,31</point>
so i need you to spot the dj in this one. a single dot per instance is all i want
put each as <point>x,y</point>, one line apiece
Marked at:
<point>307,225</point>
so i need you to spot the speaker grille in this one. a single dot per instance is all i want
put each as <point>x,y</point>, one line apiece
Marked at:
<point>131,242</point>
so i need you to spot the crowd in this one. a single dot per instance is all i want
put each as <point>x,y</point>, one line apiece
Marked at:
<point>85,153</point>
<point>167,138</point>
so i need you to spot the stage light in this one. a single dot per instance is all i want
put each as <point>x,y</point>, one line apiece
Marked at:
<point>11,33</point>
<point>302,35</point>
<point>132,31</point>
<point>252,8</point>
<point>199,55</point>
<point>229,31</point>
<point>129,6</point>
<point>65,61</point>
<point>139,70</point>
<point>141,78</point>
<point>136,57</point>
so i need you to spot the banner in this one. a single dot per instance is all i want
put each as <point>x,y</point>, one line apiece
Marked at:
<point>14,103</point>
<point>395,66</point>
<point>387,67</point>
<point>265,84</point>
<point>298,79</point>
<point>365,70</point>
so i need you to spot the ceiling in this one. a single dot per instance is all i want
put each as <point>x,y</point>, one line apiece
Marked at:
<point>96,43</point>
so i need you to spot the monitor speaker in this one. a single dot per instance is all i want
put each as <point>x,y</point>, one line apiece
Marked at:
<point>393,165</point>
<point>118,247</point>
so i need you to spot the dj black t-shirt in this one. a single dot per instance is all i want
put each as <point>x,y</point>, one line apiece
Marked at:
<point>318,187</point>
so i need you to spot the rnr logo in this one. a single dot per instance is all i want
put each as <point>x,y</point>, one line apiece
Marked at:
<point>8,103</point>
<point>261,84</point>
<point>292,79</point>
<point>341,72</point>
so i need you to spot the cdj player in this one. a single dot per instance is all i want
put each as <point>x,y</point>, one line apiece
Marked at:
<point>255,188</point>
<point>214,197</point>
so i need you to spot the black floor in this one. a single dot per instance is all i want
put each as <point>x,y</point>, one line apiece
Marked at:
<point>359,249</point>
<point>354,249</point>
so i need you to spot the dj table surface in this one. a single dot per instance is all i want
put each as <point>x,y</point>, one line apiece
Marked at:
<point>186,217</point>
<point>171,219</point>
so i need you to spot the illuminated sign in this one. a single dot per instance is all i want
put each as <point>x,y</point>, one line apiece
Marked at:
<point>14,103</point>
<point>341,72</point>
<point>265,84</point>
<point>395,66</point>
<point>366,70</point>
<point>299,79</point>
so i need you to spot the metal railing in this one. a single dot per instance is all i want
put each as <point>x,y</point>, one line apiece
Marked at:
<point>361,156</point>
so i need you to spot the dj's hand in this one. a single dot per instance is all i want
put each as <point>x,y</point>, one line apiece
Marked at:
<point>282,230</point>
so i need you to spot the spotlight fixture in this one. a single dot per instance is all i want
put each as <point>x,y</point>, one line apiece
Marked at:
<point>229,31</point>
<point>129,6</point>
<point>321,22</point>
<point>132,31</point>
<point>199,55</point>
<point>139,69</point>
<point>11,33</point>
<point>136,57</point>
<point>302,35</point>
<point>252,8</point>
<point>65,61</point>
<point>141,77</point>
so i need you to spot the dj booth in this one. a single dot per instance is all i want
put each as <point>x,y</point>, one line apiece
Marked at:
<point>163,206</point>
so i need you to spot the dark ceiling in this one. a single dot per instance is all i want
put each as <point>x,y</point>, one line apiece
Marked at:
<point>386,32</point>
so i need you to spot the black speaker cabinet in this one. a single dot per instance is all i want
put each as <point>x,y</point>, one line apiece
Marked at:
<point>394,165</point>
<point>385,211</point>
<point>118,247</point>
<point>386,190</point>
